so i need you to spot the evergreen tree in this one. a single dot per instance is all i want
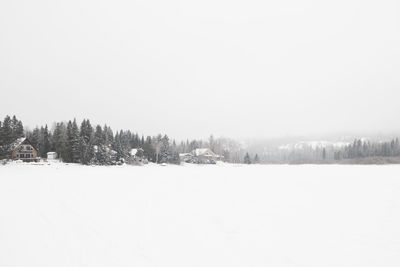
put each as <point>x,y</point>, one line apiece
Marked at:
<point>174,154</point>
<point>247,159</point>
<point>142,142</point>
<point>108,136</point>
<point>164,149</point>
<point>7,132</point>
<point>148,149</point>
<point>98,136</point>
<point>45,142</point>
<point>256,159</point>
<point>10,131</point>
<point>100,148</point>
<point>14,123</point>
<point>227,155</point>
<point>34,137</point>
<point>60,140</point>
<point>73,141</point>
<point>17,128</point>
<point>86,142</point>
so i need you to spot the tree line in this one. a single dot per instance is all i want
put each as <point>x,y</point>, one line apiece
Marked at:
<point>100,145</point>
<point>87,144</point>
<point>358,151</point>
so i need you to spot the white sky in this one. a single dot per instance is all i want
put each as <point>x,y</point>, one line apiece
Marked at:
<point>191,68</point>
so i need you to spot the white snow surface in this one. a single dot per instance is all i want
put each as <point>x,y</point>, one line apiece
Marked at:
<point>192,215</point>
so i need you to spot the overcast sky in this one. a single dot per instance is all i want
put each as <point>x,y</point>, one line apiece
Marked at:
<point>192,68</point>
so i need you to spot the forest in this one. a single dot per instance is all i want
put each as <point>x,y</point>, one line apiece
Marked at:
<point>99,145</point>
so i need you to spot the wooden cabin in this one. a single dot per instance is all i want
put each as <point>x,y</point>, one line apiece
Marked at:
<point>24,150</point>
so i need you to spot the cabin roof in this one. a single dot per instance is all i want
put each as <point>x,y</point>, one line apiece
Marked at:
<point>203,152</point>
<point>17,143</point>
<point>21,141</point>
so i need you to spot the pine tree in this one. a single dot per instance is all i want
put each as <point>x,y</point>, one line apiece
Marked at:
<point>117,146</point>
<point>1,133</point>
<point>142,142</point>
<point>164,149</point>
<point>6,137</point>
<point>247,159</point>
<point>98,136</point>
<point>100,148</point>
<point>34,137</point>
<point>2,143</point>
<point>7,132</point>
<point>73,141</point>
<point>227,155</point>
<point>86,142</point>
<point>174,154</point>
<point>17,128</point>
<point>256,159</point>
<point>148,150</point>
<point>108,136</point>
<point>14,123</point>
<point>45,144</point>
<point>60,140</point>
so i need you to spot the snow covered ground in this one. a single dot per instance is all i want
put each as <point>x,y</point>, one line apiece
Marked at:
<point>187,216</point>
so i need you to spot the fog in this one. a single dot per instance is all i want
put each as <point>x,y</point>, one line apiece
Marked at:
<point>191,68</point>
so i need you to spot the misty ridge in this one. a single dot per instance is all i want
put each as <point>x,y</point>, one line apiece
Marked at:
<point>82,142</point>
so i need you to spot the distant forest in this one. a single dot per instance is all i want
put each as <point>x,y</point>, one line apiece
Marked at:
<point>99,145</point>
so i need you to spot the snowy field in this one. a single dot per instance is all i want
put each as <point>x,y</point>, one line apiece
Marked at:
<point>188,216</point>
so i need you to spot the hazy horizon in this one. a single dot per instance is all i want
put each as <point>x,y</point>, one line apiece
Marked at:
<point>328,136</point>
<point>238,69</point>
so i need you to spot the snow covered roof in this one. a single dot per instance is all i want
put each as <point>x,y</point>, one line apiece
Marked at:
<point>203,152</point>
<point>185,155</point>
<point>17,143</point>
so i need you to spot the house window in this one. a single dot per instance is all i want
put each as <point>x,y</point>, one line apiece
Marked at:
<point>27,156</point>
<point>22,156</point>
<point>17,155</point>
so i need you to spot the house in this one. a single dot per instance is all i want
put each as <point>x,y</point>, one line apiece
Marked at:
<point>200,155</point>
<point>186,157</point>
<point>51,155</point>
<point>205,155</point>
<point>23,149</point>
